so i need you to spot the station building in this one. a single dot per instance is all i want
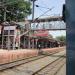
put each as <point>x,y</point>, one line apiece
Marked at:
<point>18,35</point>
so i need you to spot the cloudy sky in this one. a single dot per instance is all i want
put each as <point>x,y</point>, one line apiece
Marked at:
<point>43,7</point>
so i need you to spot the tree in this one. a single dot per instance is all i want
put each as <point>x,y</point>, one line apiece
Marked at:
<point>16,10</point>
<point>61,38</point>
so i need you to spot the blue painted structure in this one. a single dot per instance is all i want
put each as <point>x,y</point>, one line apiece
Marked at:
<point>70,21</point>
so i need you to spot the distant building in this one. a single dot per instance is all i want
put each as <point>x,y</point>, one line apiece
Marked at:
<point>10,35</point>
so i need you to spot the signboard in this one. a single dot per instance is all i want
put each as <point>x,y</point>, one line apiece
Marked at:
<point>41,33</point>
<point>9,27</point>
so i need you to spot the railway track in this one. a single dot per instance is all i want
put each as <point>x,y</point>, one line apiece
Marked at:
<point>26,60</point>
<point>37,66</point>
<point>51,68</point>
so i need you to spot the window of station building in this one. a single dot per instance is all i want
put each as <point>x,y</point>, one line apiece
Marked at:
<point>5,32</point>
<point>12,32</point>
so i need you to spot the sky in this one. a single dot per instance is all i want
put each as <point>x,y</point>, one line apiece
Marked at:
<point>57,10</point>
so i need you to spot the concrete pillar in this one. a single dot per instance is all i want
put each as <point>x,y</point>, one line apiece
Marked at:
<point>2,38</point>
<point>33,43</point>
<point>70,21</point>
<point>36,42</point>
<point>19,42</point>
<point>24,42</point>
<point>13,42</point>
<point>29,43</point>
<point>8,37</point>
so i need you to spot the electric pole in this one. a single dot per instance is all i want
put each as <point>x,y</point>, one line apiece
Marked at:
<point>4,13</point>
<point>33,1</point>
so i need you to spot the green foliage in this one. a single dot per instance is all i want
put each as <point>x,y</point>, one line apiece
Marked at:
<point>61,38</point>
<point>15,10</point>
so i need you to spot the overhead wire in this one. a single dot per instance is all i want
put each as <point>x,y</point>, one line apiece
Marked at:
<point>45,12</point>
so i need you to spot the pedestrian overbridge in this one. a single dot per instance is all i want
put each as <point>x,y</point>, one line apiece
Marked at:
<point>50,23</point>
<point>53,25</point>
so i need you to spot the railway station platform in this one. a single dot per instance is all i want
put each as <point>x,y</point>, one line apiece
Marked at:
<point>53,64</point>
<point>7,56</point>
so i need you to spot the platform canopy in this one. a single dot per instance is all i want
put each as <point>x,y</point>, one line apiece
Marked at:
<point>43,34</point>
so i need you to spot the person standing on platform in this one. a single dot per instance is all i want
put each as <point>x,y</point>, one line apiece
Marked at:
<point>39,47</point>
<point>16,45</point>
